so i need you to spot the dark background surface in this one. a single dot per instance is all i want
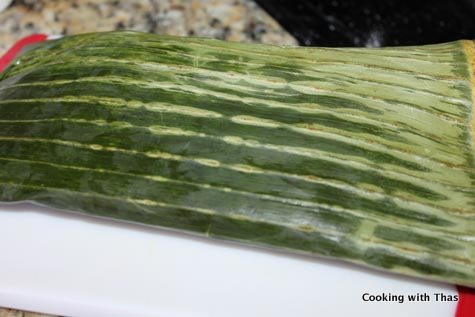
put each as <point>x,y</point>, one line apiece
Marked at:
<point>374,23</point>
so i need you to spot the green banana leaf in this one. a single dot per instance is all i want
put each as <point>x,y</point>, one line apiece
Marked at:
<point>365,155</point>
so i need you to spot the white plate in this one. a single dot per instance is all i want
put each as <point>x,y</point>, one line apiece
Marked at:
<point>74,265</point>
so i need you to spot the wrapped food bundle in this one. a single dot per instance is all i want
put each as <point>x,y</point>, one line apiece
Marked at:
<point>365,155</point>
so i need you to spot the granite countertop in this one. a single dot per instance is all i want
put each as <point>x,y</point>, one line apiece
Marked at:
<point>5,312</point>
<point>232,20</point>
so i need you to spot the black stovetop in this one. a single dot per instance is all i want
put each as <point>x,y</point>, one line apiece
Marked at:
<point>374,23</point>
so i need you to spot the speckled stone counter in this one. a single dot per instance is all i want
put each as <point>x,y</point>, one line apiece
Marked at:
<point>232,20</point>
<point>5,312</point>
